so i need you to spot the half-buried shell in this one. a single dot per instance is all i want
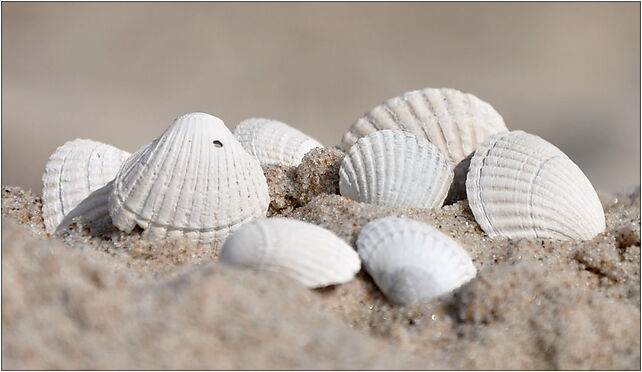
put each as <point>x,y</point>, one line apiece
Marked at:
<point>73,171</point>
<point>314,256</point>
<point>195,181</point>
<point>520,186</point>
<point>411,261</point>
<point>274,142</point>
<point>394,168</point>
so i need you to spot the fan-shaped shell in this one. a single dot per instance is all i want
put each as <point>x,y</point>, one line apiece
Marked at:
<point>274,142</point>
<point>411,261</point>
<point>74,171</point>
<point>455,122</point>
<point>193,181</point>
<point>308,253</point>
<point>520,186</point>
<point>396,169</point>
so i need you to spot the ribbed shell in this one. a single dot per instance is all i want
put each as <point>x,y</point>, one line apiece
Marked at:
<point>455,122</point>
<point>395,169</point>
<point>314,256</point>
<point>274,142</point>
<point>194,181</point>
<point>520,186</point>
<point>412,261</point>
<point>74,171</point>
<point>94,211</point>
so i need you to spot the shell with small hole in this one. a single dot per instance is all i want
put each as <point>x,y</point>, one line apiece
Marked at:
<point>274,142</point>
<point>73,172</point>
<point>195,181</point>
<point>411,261</point>
<point>394,168</point>
<point>314,256</point>
<point>521,186</point>
<point>453,121</point>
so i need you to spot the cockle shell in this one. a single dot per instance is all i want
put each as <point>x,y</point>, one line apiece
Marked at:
<point>520,186</point>
<point>394,168</point>
<point>274,142</point>
<point>308,253</point>
<point>74,171</point>
<point>411,261</point>
<point>193,181</point>
<point>93,210</point>
<point>453,121</point>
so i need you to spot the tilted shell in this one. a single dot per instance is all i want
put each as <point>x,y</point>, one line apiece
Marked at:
<point>308,253</point>
<point>274,142</point>
<point>194,181</point>
<point>74,171</point>
<point>520,186</point>
<point>455,122</point>
<point>411,261</point>
<point>396,169</point>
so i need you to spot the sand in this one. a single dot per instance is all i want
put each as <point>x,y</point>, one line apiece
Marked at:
<point>101,299</point>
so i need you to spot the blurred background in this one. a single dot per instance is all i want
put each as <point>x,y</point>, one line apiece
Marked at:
<point>121,72</point>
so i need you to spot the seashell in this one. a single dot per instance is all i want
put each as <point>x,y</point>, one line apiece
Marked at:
<point>194,181</point>
<point>520,186</point>
<point>308,253</point>
<point>412,261</point>
<point>274,142</point>
<point>74,171</point>
<point>93,210</point>
<point>453,121</point>
<point>394,168</point>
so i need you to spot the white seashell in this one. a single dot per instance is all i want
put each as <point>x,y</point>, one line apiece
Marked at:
<point>411,261</point>
<point>194,181</point>
<point>520,186</point>
<point>74,171</point>
<point>94,211</point>
<point>394,168</point>
<point>274,142</point>
<point>453,121</point>
<point>308,253</point>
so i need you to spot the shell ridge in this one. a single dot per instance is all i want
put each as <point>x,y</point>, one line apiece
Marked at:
<point>157,203</point>
<point>437,123</point>
<point>484,217</point>
<point>183,180</point>
<point>451,109</point>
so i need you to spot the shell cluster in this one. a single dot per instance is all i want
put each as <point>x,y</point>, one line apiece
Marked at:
<point>202,183</point>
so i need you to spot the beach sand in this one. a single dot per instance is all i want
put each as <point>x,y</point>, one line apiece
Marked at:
<point>104,300</point>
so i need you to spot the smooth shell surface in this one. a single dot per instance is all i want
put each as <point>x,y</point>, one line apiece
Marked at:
<point>74,171</point>
<point>274,142</point>
<point>411,261</point>
<point>396,169</point>
<point>455,122</point>
<point>195,181</point>
<point>314,256</point>
<point>520,186</point>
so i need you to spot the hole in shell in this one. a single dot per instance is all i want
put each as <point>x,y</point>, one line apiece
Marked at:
<point>218,143</point>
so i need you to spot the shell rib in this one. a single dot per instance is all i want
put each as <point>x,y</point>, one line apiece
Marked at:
<point>274,142</point>
<point>412,261</point>
<point>395,169</point>
<point>455,122</point>
<point>520,186</point>
<point>195,181</point>
<point>74,171</point>
<point>308,253</point>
